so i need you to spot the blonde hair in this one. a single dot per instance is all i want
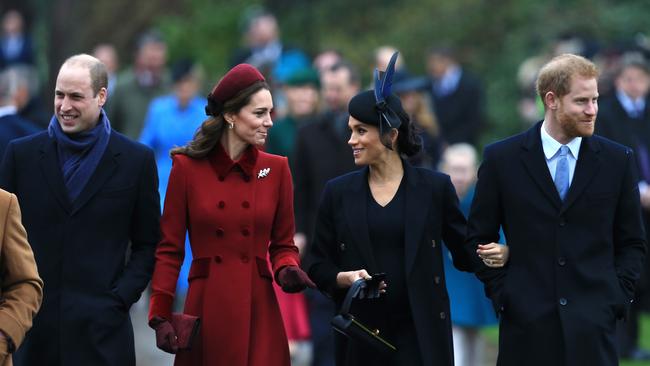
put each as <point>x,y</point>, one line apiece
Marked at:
<point>556,75</point>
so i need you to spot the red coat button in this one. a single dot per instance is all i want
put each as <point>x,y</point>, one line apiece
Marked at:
<point>244,258</point>
<point>221,178</point>
<point>222,204</point>
<point>245,204</point>
<point>220,232</point>
<point>217,259</point>
<point>245,232</point>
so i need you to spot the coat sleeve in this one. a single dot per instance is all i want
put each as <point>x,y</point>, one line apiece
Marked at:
<point>454,229</point>
<point>22,288</point>
<point>483,226</point>
<point>323,258</point>
<point>629,234</point>
<point>145,233</point>
<point>282,250</point>
<point>7,170</point>
<point>171,248</point>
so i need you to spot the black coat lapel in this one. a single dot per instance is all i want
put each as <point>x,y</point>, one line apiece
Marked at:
<point>104,170</point>
<point>417,206</point>
<point>586,166</point>
<point>355,207</point>
<point>51,168</point>
<point>533,159</point>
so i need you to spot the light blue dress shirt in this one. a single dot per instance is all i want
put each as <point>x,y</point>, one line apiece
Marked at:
<point>551,149</point>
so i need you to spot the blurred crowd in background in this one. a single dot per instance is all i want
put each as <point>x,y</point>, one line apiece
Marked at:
<point>160,102</point>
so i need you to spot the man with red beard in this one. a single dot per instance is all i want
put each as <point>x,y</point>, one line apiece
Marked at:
<point>568,202</point>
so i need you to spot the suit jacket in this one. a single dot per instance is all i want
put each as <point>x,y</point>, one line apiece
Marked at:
<point>81,248</point>
<point>234,220</point>
<point>22,288</point>
<point>13,126</point>
<point>461,113</point>
<point>321,153</point>
<point>573,264</point>
<point>342,243</point>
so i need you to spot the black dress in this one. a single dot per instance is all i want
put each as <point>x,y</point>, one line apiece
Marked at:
<point>386,231</point>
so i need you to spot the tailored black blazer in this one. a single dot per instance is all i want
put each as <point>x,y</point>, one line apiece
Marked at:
<point>81,248</point>
<point>341,242</point>
<point>573,264</point>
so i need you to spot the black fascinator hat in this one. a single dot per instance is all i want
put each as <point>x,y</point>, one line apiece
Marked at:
<point>380,107</point>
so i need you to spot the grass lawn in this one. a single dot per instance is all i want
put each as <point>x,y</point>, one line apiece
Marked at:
<point>492,335</point>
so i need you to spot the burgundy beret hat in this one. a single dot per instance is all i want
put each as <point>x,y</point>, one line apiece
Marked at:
<point>237,79</point>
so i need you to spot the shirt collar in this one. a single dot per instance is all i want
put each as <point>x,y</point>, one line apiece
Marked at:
<point>552,146</point>
<point>223,165</point>
<point>630,105</point>
<point>8,110</point>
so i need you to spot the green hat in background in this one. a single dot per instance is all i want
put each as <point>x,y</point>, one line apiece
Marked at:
<point>303,77</point>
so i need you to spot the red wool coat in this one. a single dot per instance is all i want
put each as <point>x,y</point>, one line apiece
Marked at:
<point>235,213</point>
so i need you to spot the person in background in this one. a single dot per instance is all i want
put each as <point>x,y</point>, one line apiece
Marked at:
<point>137,86</point>
<point>457,98</point>
<point>171,121</point>
<point>90,205</point>
<point>320,154</point>
<point>470,308</point>
<point>12,125</point>
<point>236,203</point>
<point>412,91</point>
<point>22,288</point>
<point>107,54</point>
<point>624,116</point>
<point>15,45</point>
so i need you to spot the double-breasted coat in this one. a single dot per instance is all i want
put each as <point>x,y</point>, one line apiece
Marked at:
<point>342,243</point>
<point>236,213</point>
<point>573,263</point>
<point>91,274</point>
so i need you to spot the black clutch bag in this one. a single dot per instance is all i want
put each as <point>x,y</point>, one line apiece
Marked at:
<point>346,324</point>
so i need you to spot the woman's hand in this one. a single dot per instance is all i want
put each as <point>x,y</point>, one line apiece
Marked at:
<point>494,255</point>
<point>346,279</point>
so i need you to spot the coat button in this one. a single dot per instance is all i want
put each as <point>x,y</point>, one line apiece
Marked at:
<point>562,221</point>
<point>436,280</point>
<point>247,178</point>
<point>245,204</point>
<point>342,246</point>
<point>433,243</point>
<point>217,259</point>
<point>245,232</point>
<point>563,301</point>
<point>244,258</point>
<point>222,204</point>
<point>220,232</point>
<point>561,261</point>
<point>221,178</point>
<point>443,316</point>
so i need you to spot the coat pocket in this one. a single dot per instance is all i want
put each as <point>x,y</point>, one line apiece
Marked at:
<point>200,268</point>
<point>263,268</point>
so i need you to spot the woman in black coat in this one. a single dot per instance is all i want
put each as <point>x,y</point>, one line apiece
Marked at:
<point>391,217</point>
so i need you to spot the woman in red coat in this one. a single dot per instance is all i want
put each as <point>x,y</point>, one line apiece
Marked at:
<point>236,202</point>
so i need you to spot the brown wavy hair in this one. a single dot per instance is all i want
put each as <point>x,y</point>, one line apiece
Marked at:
<point>209,133</point>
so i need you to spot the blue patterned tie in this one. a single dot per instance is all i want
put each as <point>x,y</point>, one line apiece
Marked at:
<point>562,173</point>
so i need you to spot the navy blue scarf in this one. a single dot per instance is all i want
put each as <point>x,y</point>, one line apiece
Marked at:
<point>79,153</point>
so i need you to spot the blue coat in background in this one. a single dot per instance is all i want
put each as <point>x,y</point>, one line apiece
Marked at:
<point>469,305</point>
<point>166,126</point>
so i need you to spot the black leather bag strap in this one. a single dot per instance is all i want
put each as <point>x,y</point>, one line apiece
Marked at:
<point>353,291</point>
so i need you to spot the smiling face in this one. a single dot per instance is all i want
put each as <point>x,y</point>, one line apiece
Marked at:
<point>367,148</point>
<point>574,114</point>
<point>251,124</point>
<point>76,106</point>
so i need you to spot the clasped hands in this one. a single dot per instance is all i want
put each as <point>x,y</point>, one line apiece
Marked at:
<point>494,255</point>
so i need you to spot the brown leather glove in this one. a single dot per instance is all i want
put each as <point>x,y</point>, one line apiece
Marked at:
<point>293,279</point>
<point>165,335</point>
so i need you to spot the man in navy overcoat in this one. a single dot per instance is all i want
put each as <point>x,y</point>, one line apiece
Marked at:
<point>90,205</point>
<point>568,202</point>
